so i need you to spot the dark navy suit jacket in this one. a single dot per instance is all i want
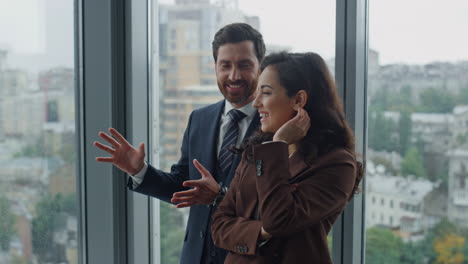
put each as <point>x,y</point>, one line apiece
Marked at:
<point>200,142</point>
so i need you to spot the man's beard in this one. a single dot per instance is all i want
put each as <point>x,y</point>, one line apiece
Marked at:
<point>246,94</point>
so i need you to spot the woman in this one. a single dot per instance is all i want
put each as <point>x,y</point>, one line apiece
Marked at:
<point>297,173</point>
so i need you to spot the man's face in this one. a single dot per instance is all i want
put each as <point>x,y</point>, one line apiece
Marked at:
<point>237,70</point>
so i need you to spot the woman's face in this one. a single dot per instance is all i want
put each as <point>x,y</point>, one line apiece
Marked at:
<point>273,104</point>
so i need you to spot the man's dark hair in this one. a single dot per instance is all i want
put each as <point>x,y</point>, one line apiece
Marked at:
<point>238,32</point>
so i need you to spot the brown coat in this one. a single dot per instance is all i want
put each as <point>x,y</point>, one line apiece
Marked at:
<point>297,215</point>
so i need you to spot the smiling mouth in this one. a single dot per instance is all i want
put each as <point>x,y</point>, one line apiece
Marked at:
<point>263,116</point>
<point>235,87</point>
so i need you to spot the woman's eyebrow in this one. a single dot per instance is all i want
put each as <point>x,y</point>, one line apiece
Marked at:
<point>266,86</point>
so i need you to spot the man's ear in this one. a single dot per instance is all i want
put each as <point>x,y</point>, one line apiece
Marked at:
<point>301,98</point>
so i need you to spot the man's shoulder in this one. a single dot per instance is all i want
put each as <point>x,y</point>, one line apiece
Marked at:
<point>209,110</point>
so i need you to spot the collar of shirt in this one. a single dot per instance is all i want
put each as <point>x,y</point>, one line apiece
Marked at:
<point>247,109</point>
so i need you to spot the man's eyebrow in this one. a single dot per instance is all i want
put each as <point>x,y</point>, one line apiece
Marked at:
<point>245,61</point>
<point>224,61</point>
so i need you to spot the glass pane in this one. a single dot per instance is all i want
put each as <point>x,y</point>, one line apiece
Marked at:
<point>187,79</point>
<point>417,191</point>
<point>38,201</point>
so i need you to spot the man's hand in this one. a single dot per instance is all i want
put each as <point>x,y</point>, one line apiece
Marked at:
<point>204,190</point>
<point>124,155</point>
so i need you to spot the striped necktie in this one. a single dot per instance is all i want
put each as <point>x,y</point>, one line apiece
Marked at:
<point>230,139</point>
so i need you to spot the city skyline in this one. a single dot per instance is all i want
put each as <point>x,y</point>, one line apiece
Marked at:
<point>387,36</point>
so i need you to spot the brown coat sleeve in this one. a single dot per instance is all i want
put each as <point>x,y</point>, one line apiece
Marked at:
<point>322,194</point>
<point>230,231</point>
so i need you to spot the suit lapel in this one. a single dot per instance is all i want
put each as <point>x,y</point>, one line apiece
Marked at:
<point>210,134</point>
<point>253,126</point>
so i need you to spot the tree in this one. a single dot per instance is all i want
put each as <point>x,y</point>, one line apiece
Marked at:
<point>449,249</point>
<point>440,230</point>
<point>462,97</point>
<point>404,131</point>
<point>436,101</point>
<point>380,132</point>
<point>172,234</point>
<point>7,224</point>
<point>414,252</point>
<point>382,246</point>
<point>48,212</point>
<point>413,163</point>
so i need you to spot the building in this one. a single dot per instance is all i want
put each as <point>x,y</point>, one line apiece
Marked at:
<point>396,202</point>
<point>186,72</point>
<point>175,110</point>
<point>458,187</point>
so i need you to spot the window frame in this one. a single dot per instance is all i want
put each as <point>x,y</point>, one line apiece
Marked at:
<point>116,65</point>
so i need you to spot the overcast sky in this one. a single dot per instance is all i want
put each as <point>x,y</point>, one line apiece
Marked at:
<point>408,31</point>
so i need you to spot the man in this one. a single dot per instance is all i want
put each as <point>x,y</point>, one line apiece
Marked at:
<point>211,131</point>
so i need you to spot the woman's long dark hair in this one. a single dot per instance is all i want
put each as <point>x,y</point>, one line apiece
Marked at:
<point>329,129</point>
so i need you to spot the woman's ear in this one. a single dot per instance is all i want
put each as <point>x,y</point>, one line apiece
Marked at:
<point>301,98</point>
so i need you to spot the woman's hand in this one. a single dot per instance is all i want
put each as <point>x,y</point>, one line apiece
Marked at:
<point>295,129</point>
<point>264,235</point>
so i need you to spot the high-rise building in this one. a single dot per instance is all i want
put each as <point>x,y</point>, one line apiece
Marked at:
<point>187,74</point>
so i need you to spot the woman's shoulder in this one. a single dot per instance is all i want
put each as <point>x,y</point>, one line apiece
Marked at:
<point>335,157</point>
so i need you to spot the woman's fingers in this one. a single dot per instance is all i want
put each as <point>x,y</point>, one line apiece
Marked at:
<point>109,139</point>
<point>104,147</point>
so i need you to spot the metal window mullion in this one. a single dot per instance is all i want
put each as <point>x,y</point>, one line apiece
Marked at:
<point>102,67</point>
<point>137,106</point>
<point>350,72</point>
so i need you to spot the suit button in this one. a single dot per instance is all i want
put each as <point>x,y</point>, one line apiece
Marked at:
<point>201,234</point>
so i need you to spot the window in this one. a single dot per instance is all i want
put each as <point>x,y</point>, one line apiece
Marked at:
<point>310,27</point>
<point>38,156</point>
<point>417,94</point>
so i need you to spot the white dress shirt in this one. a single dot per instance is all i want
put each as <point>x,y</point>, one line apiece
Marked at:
<point>248,110</point>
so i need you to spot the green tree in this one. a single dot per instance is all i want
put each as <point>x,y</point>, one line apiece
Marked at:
<point>48,212</point>
<point>401,100</point>
<point>382,246</point>
<point>404,131</point>
<point>413,163</point>
<point>7,224</point>
<point>436,101</point>
<point>380,132</point>
<point>172,234</point>
<point>462,97</point>
<point>413,252</point>
<point>440,230</point>
<point>32,150</point>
